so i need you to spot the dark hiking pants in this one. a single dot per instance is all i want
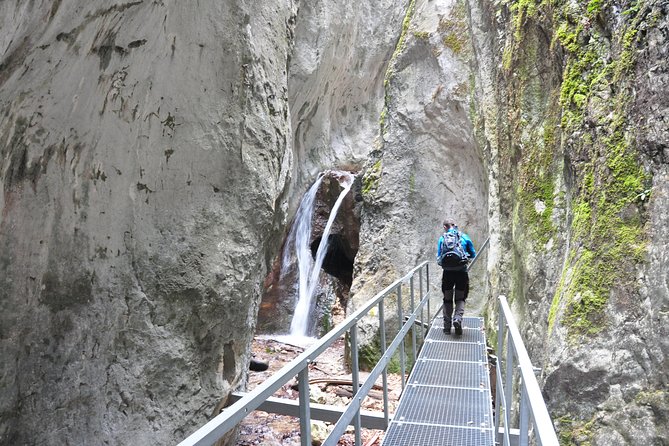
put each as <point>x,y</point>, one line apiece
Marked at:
<point>455,286</point>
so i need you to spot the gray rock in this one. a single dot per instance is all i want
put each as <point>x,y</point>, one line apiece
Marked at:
<point>144,152</point>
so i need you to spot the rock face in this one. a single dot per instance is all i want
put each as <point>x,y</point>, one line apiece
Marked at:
<point>152,153</point>
<point>571,108</point>
<point>149,155</point>
<point>427,165</point>
<point>144,148</point>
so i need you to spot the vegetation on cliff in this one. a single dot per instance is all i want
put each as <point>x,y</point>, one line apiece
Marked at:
<point>580,126</point>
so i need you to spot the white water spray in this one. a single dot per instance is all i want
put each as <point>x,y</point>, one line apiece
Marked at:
<point>308,269</point>
<point>299,234</point>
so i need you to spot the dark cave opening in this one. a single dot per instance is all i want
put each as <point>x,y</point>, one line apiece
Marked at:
<point>338,261</point>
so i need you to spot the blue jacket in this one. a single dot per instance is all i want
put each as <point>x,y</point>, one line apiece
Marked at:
<point>466,242</point>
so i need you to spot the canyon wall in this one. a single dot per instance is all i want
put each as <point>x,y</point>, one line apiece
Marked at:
<point>153,152</point>
<point>144,149</point>
<point>148,169</point>
<point>426,164</point>
<point>572,113</point>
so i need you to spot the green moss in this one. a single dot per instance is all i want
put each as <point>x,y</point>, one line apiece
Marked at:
<point>583,74</point>
<point>454,29</point>
<point>567,35</point>
<point>607,224</point>
<point>453,42</point>
<point>369,355</point>
<point>507,57</point>
<point>594,7</point>
<point>536,186</point>
<point>609,230</point>
<point>557,299</point>
<point>423,35</point>
<point>521,10</point>
<point>395,364</point>
<point>401,42</point>
<point>326,323</point>
<point>573,432</point>
<point>370,181</point>
<point>382,119</point>
<point>657,399</point>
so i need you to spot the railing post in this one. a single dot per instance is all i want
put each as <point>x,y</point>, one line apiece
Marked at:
<point>422,309</point>
<point>305,415</point>
<point>508,385</point>
<point>524,424</point>
<point>384,374</point>
<point>413,327</point>
<point>501,324</point>
<point>355,381</point>
<point>427,289</point>
<point>400,319</point>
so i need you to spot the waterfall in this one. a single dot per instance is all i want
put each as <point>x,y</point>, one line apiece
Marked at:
<point>309,269</point>
<point>299,235</point>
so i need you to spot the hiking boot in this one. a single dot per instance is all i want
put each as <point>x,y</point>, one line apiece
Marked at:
<point>458,327</point>
<point>447,330</point>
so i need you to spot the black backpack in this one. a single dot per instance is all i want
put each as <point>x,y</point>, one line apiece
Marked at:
<point>452,253</point>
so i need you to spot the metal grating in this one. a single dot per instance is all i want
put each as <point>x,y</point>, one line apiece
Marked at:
<point>474,335</point>
<point>473,375</point>
<point>421,435</point>
<point>444,406</point>
<point>447,399</point>
<point>471,322</point>
<point>454,351</point>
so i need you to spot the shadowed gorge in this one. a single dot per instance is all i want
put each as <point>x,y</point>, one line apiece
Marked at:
<point>154,156</point>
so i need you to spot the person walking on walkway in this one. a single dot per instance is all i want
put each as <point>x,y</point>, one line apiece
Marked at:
<point>454,251</point>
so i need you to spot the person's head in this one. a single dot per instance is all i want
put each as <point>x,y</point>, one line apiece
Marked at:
<point>449,223</point>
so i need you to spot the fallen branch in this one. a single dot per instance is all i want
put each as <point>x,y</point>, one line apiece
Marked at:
<point>339,382</point>
<point>372,440</point>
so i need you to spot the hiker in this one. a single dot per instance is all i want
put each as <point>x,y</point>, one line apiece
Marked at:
<point>454,251</point>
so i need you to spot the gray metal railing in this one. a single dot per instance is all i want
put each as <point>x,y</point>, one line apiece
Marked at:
<point>531,405</point>
<point>232,415</point>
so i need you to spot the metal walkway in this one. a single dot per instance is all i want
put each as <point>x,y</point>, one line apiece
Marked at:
<point>447,399</point>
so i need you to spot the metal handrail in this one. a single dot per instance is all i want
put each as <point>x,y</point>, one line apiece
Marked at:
<point>481,249</point>
<point>531,400</point>
<point>232,415</point>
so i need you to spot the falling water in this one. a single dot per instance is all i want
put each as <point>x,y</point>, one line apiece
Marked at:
<point>309,269</point>
<point>300,233</point>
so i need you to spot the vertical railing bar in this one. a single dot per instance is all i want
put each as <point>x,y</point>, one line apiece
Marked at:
<point>498,408</point>
<point>524,416</point>
<point>413,328</point>
<point>384,374</point>
<point>427,290</point>
<point>422,309</point>
<point>508,385</point>
<point>501,324</point>
<point>355,380</point>
<point>400,318</point>
<point>305,415</point>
